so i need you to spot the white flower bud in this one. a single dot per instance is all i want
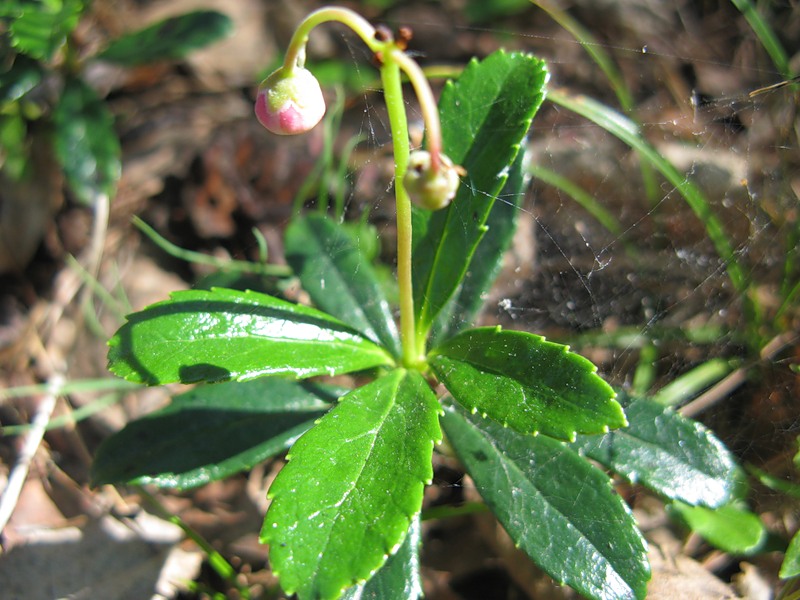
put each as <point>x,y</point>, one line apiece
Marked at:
<point>290,103</point>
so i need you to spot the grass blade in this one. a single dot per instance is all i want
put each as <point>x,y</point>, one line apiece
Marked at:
<point>766,35</point>
<point>627,131</point>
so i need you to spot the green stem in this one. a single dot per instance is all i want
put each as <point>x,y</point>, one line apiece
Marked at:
<point>427,104</point>
<point>766,35</point>
<point>238,266</point>
<point>296,53</point>
<point>393,60</point>
<point>393,96</point>
<point>221,566</point>
<point>446,512</point>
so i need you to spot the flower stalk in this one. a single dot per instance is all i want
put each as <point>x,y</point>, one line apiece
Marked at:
<point>393,95</point>
<point>296,52</point>
<point>288,104</point>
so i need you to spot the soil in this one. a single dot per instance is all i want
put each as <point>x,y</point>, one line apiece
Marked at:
<point>207,177</point>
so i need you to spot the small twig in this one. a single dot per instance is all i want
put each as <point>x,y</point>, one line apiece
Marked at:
<point>737,377</point>
<point>67,287</point>
<point>715,393</point>
<point>10,495</point>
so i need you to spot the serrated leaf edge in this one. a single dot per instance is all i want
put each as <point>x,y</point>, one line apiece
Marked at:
<point>586,365</point>
<point>248,297</point>
<point>372,332</point>
<point>607,484</point>
<point>427,314</point>
<point>697,428</point>
<point>265,539</point>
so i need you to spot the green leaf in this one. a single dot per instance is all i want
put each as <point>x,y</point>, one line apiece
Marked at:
<point>85,142</point>
<point>797,456</point>
<point>463,308</point>
<point>23,75</point>
<point>557,508</point>
<point>168,39</point>
<point>339,278</point>
<point>399,577</point>
<point>14,146</point>
<point>527,383</point>
<point>791,561</point>
<point>352,486</point>
<point>222,335</point>
<point>672,455</point>
<point>485,116</point>
<point>211,432</point>
<point>730,528</point>
<point>38,29</point>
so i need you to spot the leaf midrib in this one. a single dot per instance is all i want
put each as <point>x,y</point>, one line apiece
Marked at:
<point>625,433</point>
<point>519,471</point>
<point>521,385</point>
<point>353,485</point>
<point>369,331</point>
<point>424,318</point>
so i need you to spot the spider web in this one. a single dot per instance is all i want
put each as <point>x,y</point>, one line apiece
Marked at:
<point>656,283</point>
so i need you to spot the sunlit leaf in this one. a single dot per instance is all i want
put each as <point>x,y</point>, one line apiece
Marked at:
<point>38,29</point>
<point>339,278</point>
<point>485,116</point>
<point>557,508</point>
<point>463,308</point>
<point>399,577</point>
<point>352,486</point>
<point>791,561</point>
<point>527,383</point>
<point>211,432</point>
<point>222,335</point>
<point>168,39</point>
<point>731,528</point>
<point>672,455</point>
<point>86,143</point>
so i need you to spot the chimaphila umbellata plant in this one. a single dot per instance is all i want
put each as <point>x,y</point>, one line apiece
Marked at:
<point>522,414</point>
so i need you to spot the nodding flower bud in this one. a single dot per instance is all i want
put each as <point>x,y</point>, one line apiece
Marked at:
<point>431,189</point>
<point>290,102</point>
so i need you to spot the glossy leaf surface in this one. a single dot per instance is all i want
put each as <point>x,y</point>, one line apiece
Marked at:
<point>485,116</point>
<point>212,432</point>
<point>86,143</point>
<point>222,335</point>
<point>19,79</point>
<point>339,278</point>
<point>168,39</point>
<point>527,383</point>
<point>557,508</point>
<point>791,561</point>
<point>38,29</point>
<point>399,577</point>
<point>672,455</point>
<point>353,484</point>
<point>463,308</point>
<point>731,528</point>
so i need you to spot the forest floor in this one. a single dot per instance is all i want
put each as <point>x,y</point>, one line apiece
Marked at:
<point>201,171</point>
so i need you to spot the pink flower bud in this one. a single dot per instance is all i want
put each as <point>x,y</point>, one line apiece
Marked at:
<point>429,189</point>
<point>289,103</point>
